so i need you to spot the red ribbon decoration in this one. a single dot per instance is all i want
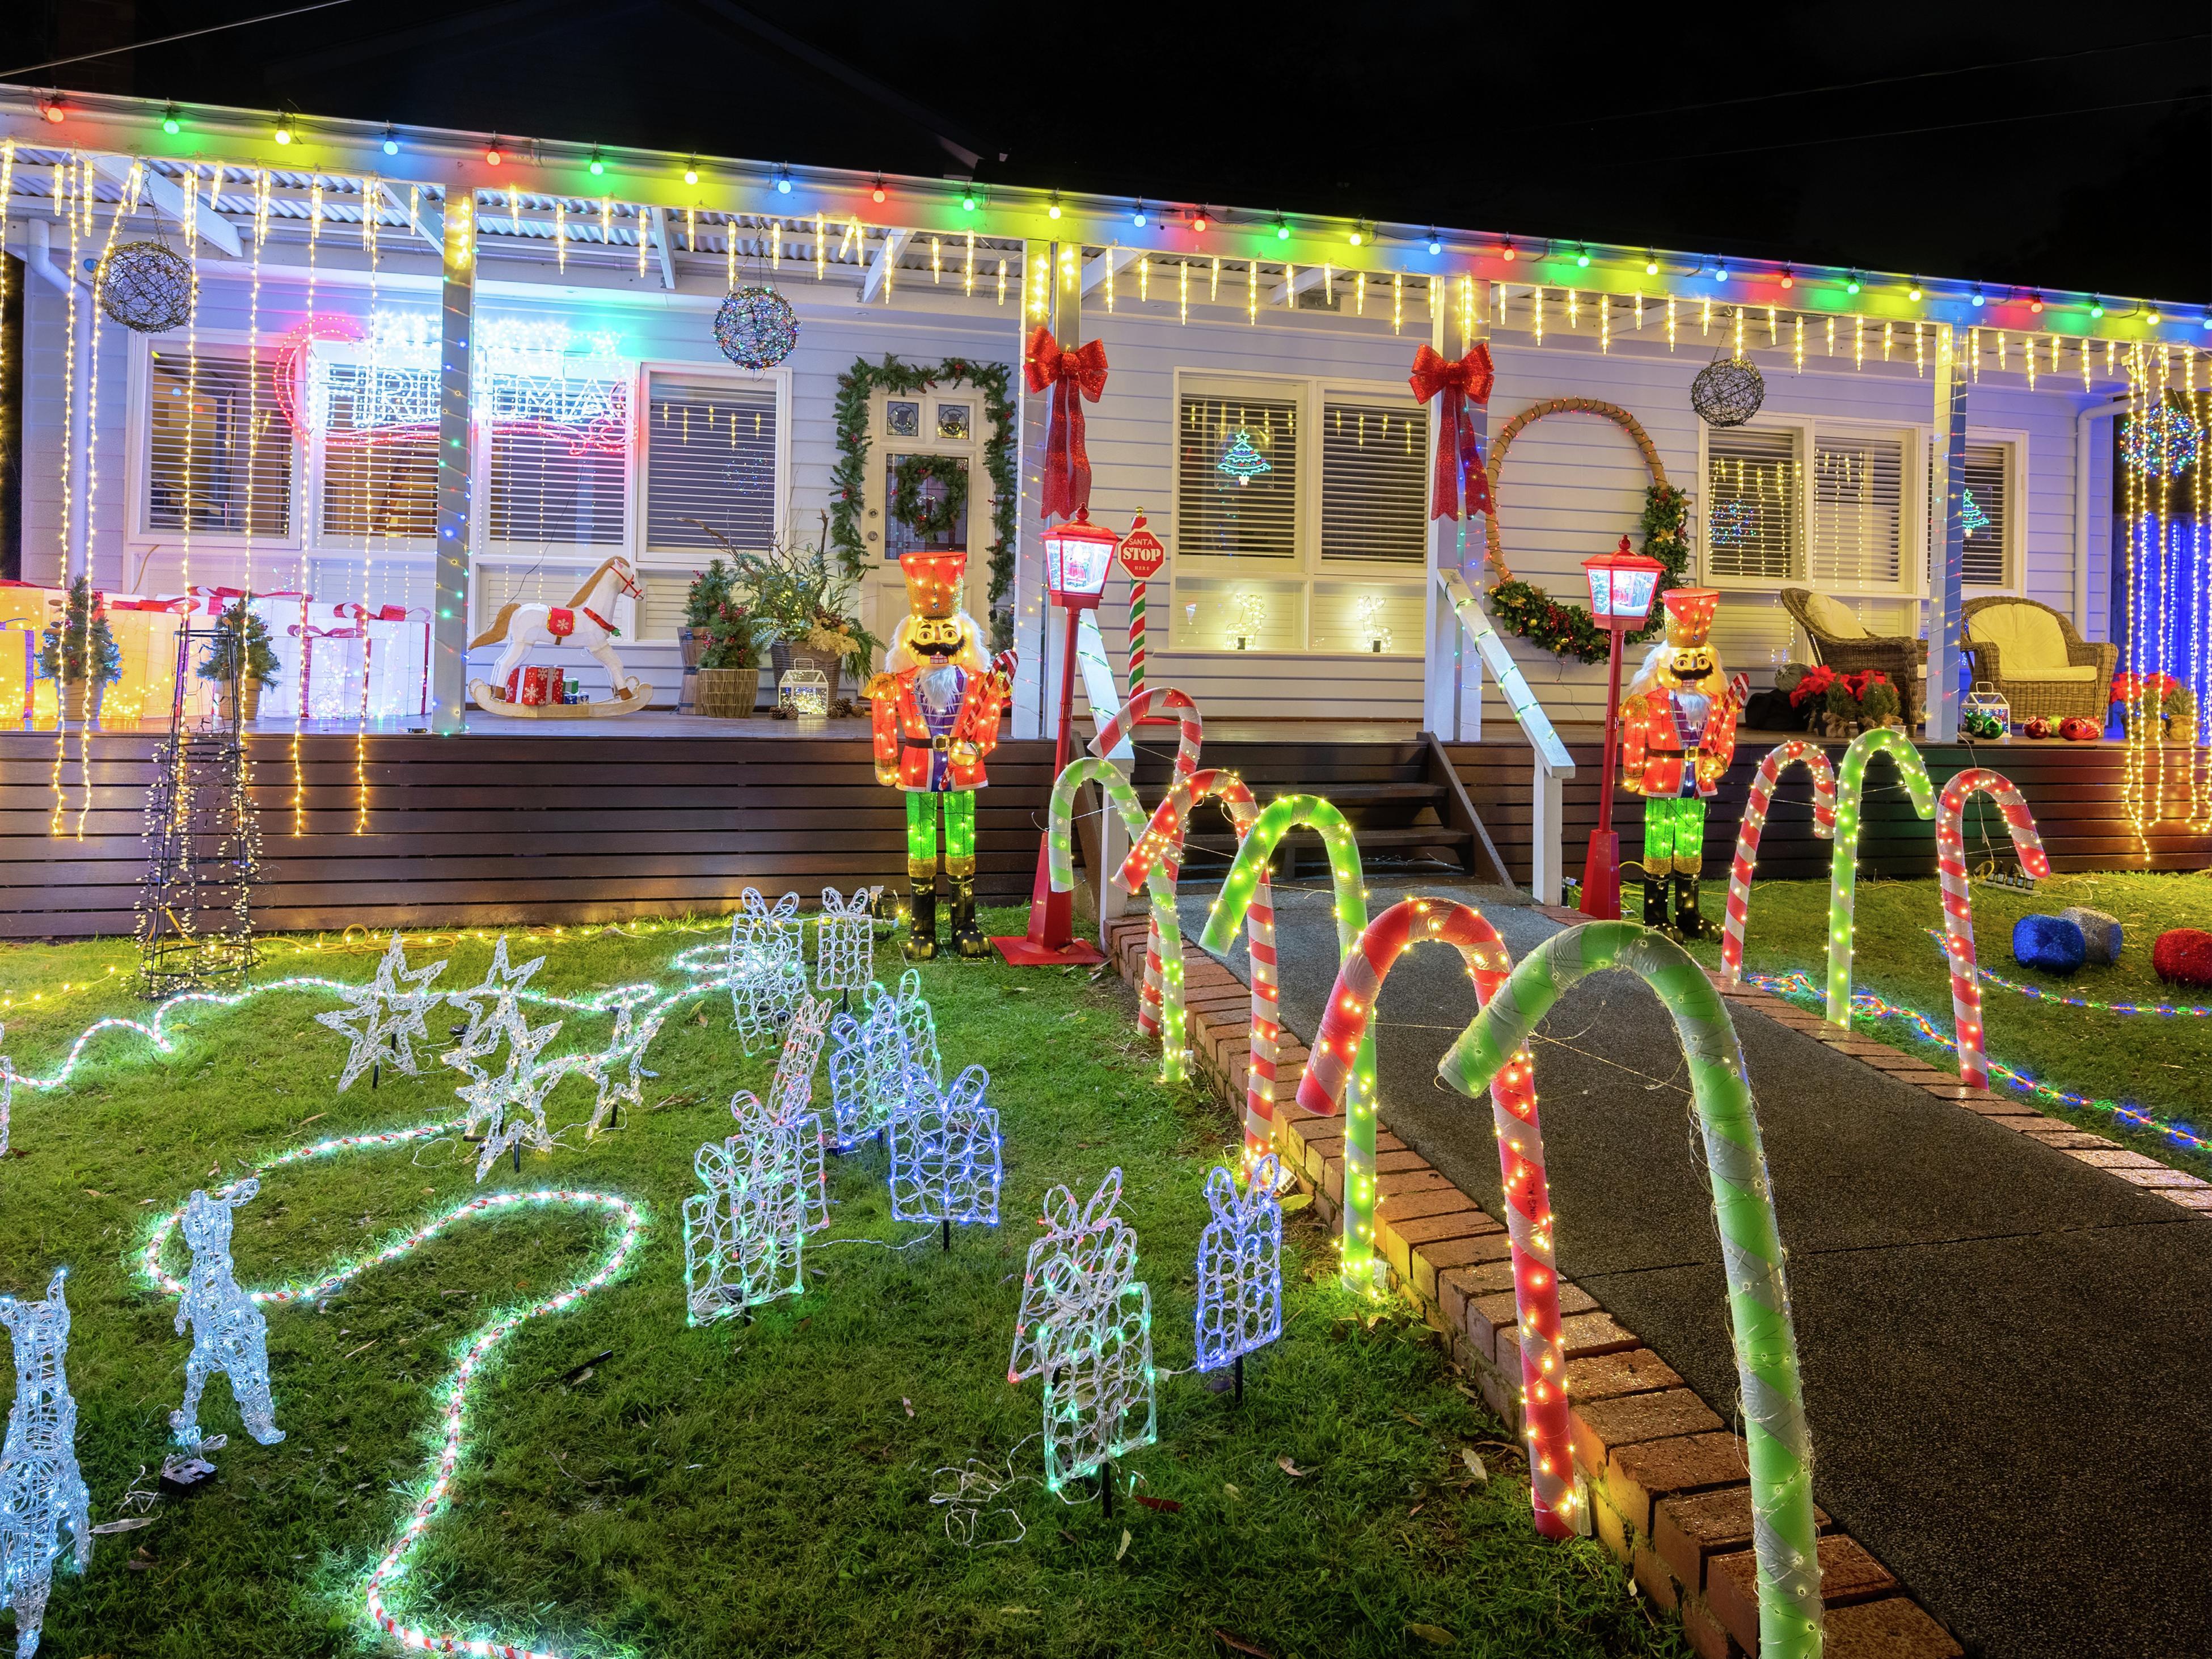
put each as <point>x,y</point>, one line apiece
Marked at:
<point>1066,465</point>
<point>1459,452</point>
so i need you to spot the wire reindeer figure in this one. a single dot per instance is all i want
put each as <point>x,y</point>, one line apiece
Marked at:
<point>41,1491</point>
<point>229,1333</point>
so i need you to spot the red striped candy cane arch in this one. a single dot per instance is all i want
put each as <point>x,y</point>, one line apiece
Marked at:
<point>1162,839</point>
<point>1189,736</point>
<point>1520,1157</point>
<point>1958,905</point>
<point>1778,758</point>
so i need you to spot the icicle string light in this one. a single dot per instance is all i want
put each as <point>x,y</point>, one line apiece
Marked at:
<point>1798,751</point>
<point>1778,1445</point>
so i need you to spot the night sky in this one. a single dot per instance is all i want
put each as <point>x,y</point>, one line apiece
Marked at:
<point>1727,130</point>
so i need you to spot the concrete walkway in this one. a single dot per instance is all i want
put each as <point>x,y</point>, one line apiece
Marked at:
<point>2007,1366</point>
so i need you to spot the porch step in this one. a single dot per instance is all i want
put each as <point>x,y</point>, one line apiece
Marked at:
<point>1302,839</point>
<point>1360,794</point>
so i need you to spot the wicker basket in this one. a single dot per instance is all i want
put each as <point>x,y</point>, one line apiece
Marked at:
<point>783,659</point>
<point>251,696</point>
<point>728,694</point>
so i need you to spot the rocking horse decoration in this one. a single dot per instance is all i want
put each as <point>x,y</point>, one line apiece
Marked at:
<point>581,621</point>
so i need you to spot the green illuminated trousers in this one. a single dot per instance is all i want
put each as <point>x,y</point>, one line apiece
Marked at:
<point>921,815</point>
<point>1674,836</point>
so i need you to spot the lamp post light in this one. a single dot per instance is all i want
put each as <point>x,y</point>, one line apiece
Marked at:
<point>1622,586</point>
<point>1078,556</point>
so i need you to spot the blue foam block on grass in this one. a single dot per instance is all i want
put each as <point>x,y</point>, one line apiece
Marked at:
<point>2050,943</point>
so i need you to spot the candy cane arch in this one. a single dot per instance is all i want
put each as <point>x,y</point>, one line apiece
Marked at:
<point>1157,848</point>
<point>1189,736</point>
<point>1844,869</point>
<point>1775,1435</point>
<point>1778,759</point>
<point>1167,933</point>
<point>1520,1159</point>
<point>1958,905</point>
<point>1232,906</point>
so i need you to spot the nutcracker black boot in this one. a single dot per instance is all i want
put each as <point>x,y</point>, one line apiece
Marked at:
<point>967,938</point>
<point>1687,922</point>
<point>1655,902</point>
<point>921,920</point>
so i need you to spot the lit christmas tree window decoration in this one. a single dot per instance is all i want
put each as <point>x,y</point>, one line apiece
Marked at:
<point>2159,442</point>
<point>743,1236</point>
<point>41,1492</point>
<point>1728,391</point>
<point>755,327</point>
<point>1242,460</point>
<point>1248,617</point>
<point>1095,1344</point>
<point>382,1018</point>
<point>1970,516</point>
<point>230,1334</point>
<point>874,1059</point>
<point>507,1108</point>
<point>1240,1265</point>
<point>845,941</point>
<point>148,288</point>
<point>945,1154</point>
<point>1088,1235</point>
<point>1373,632</point>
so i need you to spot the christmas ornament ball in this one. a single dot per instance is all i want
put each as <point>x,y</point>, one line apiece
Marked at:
<point>147,288</point>
<point>756,328</point>
<point>1728,391</point>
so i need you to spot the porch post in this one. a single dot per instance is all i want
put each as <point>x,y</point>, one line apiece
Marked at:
<point>1054,297</point>
<point>1451,674</point>
<point>449,613</point>
<point>1948,524</point>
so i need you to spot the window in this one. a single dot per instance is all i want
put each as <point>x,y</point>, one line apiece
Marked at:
<point>710,449</point>
<point>219,450</point>
<point>379,454</point>
<point>898,535</point>
<point>1855,519</point>
<point>559,472</point>
<point>1374,482</point>
<point>1751,503</point>
<point>1988,519</point>
<point>1236,476</point>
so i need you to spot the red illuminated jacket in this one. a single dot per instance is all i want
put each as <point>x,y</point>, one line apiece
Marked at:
<point>904,747</point>
<point>1654,749</point>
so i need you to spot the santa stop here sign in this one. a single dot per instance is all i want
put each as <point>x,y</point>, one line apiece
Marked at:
<point>1142,552</point>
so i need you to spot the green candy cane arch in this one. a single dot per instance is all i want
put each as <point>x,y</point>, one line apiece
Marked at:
<point>1844,870</point>
<point>1121,796</point>
<point>1362,1268</point>
<point>1780,1448</point>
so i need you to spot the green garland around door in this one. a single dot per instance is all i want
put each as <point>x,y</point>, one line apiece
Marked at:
<point>848,478</point>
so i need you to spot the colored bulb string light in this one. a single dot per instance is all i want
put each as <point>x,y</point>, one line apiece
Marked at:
<point>2041,994</point>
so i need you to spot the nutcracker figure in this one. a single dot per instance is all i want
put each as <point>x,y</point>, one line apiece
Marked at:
<point>1677,737</point>
<point>935,710</point>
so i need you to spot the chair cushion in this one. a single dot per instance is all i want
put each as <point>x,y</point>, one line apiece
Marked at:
<point>2031,641</point>
<point>1830,616</point>
<point>2074,674</point>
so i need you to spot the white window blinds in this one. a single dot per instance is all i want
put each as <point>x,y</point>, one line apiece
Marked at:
<point>379,477</point>
<point>1987,510</point>
<point>1236,477</point>
<point>710,459</point>
<point>1374,482</point>
<point>1751,503</point>
<point>1857,513</point>
<point>561,481</point>
<point>219,450</point>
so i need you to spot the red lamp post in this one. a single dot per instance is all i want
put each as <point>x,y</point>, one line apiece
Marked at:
<point>1078,556</point>
<point>1622,585</point>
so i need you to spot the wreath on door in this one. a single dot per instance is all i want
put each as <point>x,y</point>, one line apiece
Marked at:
<point>911,503</point>
<point>1560,626</point>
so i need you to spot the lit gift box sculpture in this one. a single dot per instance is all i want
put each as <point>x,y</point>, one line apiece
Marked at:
<point>1240,1267</point>
<point>875,1060</point>
<point>945,1154</point>
<point>743,1236</point>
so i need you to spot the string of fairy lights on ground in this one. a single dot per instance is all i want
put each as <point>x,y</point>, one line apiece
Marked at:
<point>2044,994</point>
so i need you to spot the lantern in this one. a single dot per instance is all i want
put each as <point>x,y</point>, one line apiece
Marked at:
<point>1078,556</point>
<point>1622,585</point>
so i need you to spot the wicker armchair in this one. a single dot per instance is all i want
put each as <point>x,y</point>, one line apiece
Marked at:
<point>1839,640</point>
<point>2032,654</point>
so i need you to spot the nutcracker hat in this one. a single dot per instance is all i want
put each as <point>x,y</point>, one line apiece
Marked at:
<point>932,580</point>
<point>1690,615</point>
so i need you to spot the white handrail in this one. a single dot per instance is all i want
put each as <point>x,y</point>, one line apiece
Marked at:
<point>1551,753</point>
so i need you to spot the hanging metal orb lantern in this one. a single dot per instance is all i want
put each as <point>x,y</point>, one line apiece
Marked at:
<point>1728,391</point>
<point>756,328</point>
<point>147,288</point>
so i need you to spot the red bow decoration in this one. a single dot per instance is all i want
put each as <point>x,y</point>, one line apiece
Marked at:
<point>1066,465</point>
<point>1459,452</point>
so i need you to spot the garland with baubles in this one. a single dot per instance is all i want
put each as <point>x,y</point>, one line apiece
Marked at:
<point>1566,629</point>
<point>848,478</point>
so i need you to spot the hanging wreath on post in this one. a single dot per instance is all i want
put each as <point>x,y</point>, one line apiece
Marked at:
<point>911,504</point>
<point>1560,626</point>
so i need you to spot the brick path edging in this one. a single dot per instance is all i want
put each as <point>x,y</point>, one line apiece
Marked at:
<point>1668,1487</point>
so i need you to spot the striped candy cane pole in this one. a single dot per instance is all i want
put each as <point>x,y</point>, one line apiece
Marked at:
<point>1958,906</point>
<point>1136,640</point>
<point>1155,847</point>
<point>1843,863</point>
<point>1519,1157</point>
<point>1189,737</point>
<point>1779,757</point>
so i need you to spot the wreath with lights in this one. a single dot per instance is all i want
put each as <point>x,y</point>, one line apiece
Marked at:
<point>848,478</point>
<point>910,502</point>
<point>1560,626</point>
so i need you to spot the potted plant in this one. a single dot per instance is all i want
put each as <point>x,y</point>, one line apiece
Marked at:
<point>805,607</point>
<point>1845,705</point>
<point>727,656</point>
<point>2178,705</point>
<point>241,661</point>
<point>79,652</point>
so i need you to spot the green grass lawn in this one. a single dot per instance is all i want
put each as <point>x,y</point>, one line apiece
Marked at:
<point>728,1490</point>
<point>2144,1061</point>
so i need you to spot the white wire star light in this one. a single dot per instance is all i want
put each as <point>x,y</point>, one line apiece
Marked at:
<point>876,1059</point>
<point>631,1038</point>
<point>946,1153</point>
<point>744,1237</point>
<point>1088,1234</point>
<point>41,1491</point>
<point>845,941</point>
<point>382,1017</point>
<point>1240,1265</point>
<point>230,1334</point>
<point>507,1107</point>
<point>766,966</point>
<point>503,986</point>
<point>791,1101</point>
